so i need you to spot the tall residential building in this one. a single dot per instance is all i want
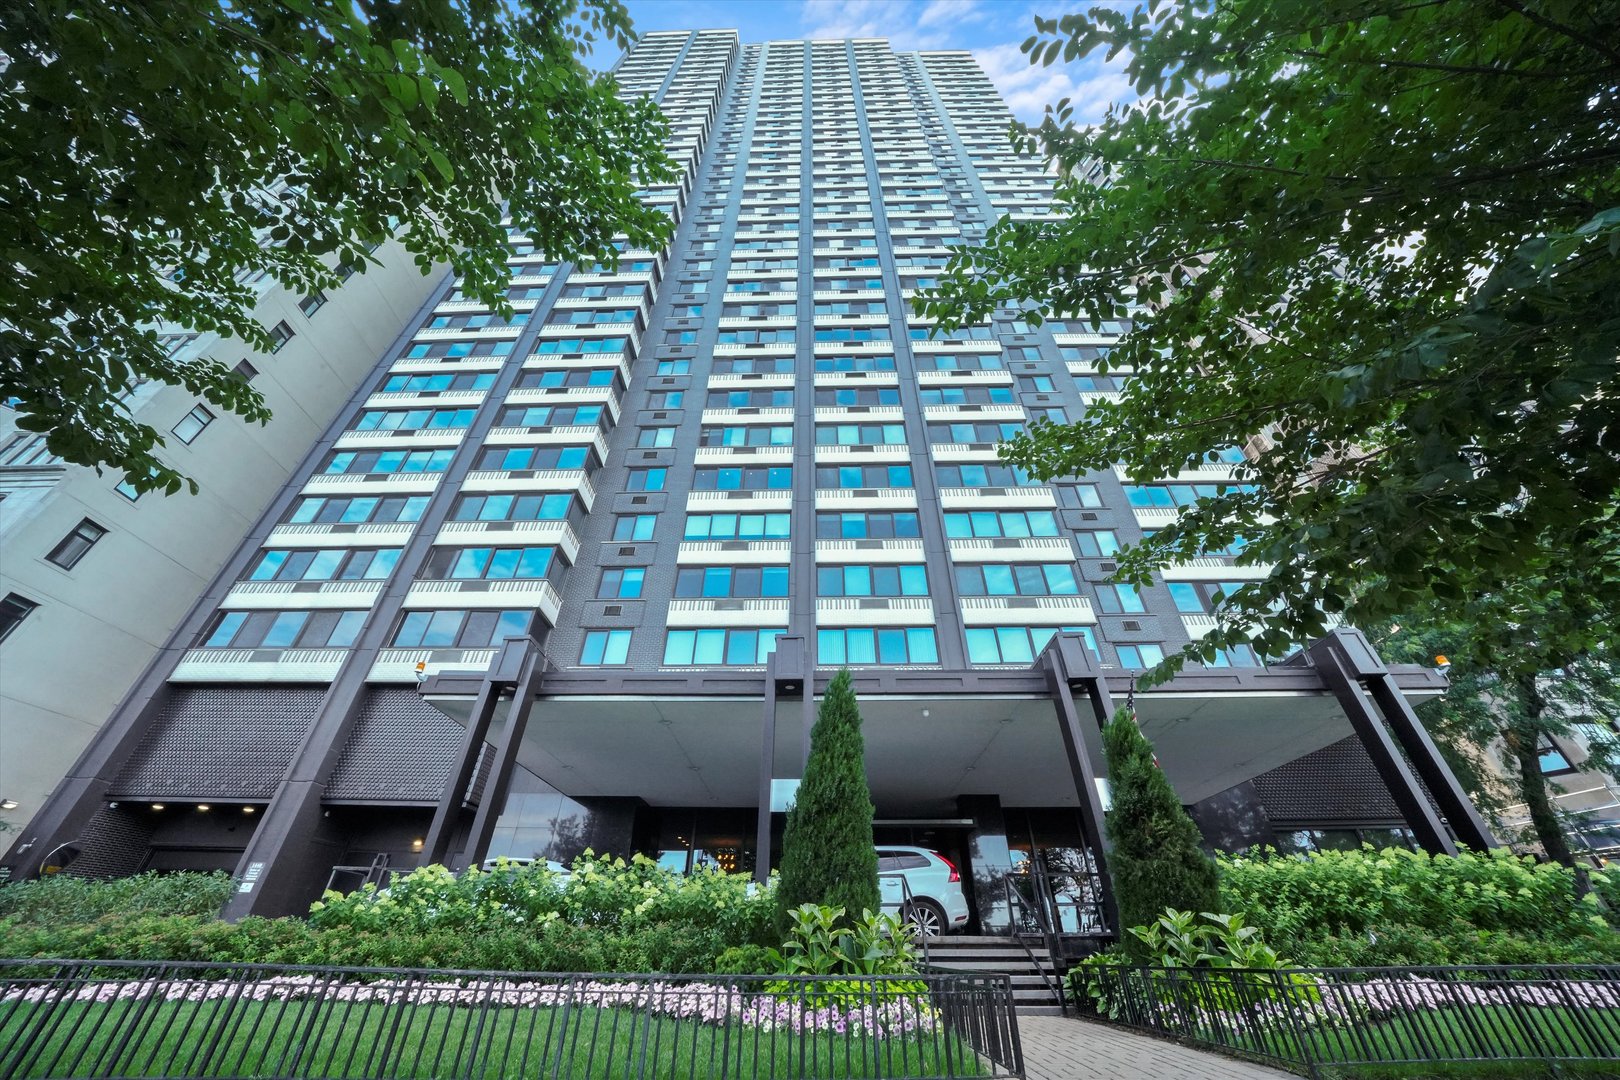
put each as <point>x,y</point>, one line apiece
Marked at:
<point>95,577</point>
<point>574,580</point>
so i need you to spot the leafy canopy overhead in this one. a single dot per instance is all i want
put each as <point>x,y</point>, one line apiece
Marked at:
<point>1384,237</point>
<point>156,152</point>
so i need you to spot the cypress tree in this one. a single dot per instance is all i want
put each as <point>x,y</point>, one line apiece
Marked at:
<point>827,852</point>
<point>1156,862</point>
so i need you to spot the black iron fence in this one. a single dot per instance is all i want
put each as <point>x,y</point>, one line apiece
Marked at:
<point>1313,1017</point>
<point>116,1019</point>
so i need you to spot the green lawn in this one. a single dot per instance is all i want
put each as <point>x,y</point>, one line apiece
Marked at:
<point>339,1040</point>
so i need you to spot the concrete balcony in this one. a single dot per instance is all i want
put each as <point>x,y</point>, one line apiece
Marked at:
<point>972,452</point>
<point>259,665</point>
<point>973,413</point>
<point>299,595</point>
<point>1219,473</point>
<point>341,534</point>
<point>952,378</point>
<point>728,612</point>
<point>438,399</point>
<point>1012,549</point>
<point>743,455</point>
<point>572,435</point>
<point>857,378</point>
<point>854,348</point>
<point>568,395</point>
<point>863,453</point>
<point>869,551</point>
<point>446,364</point>
<point>757,297</point>
<point>854,294</point>
<point>554,331</point>
<point>733,553</point>
<point>532,480</point>
<point>570,361</point>
<point>860,414</point>
<point>956,346</point>
<point>1198,626</point>
<point>557,534</point>
<point>399,665</point>
<point>372,484</point>
<point>1026,610</point>
<point>840,499</point>
<point>1214,568</point>
<point>1086,339</point>
<point>770,348</point>
<point>482,333</point>
<point>991,498</point>
<point>399,438</point>
<point>764,499</point>
<point>527,593</point>
<point>874,611</point>
<point>1097,397</point>
<point>750,379</point>
<point>758,322</point>
<point>760,415</point>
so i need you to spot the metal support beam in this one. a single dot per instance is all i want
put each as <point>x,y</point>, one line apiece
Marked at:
<point>453,801</point>
<point>1469,828</point>
<point>1431,835</point>
<point>1067,670</point>
<point>492,802</point>
<point>767,766</point>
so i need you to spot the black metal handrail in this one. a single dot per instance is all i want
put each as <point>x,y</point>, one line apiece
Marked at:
<point>62,1018</point>
<point>1313,1017</point>
<point>1015,902</point>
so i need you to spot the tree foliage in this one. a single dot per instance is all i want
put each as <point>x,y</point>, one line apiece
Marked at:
<point>1379,244</point>
<point>827,853</point>
<point>1155,860</point>
<point>1509,696</point>
<point>158,152</point>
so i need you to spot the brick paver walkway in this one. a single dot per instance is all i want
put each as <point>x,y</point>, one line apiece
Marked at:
<point>1057,1048</point>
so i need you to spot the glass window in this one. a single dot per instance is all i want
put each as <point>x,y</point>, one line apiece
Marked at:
<point>1185,595</point>
<point>76,544</point>
<point>622,583</point>
<point>1140,655</point>
<point>876,646</point>
<point>634,526</point>
<point>604,647</point>
<point>13,610</point>
<point>191,425</point>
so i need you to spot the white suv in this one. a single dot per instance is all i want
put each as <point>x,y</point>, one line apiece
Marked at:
<point>922,887</point>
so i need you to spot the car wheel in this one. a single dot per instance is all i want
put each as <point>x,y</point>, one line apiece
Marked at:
<point>926,918</point>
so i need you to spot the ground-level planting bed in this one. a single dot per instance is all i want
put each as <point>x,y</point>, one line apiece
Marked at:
<point>393,1030</point>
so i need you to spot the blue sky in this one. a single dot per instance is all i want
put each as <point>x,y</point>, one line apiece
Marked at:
<point>991,29</point>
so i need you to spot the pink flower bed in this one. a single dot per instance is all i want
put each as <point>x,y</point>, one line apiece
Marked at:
<point>900,1015</point>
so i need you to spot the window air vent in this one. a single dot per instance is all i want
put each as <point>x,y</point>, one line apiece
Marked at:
<point>638,500</point>
<point>649,455</point>
<point>1108,567</point>
<point>660,416</point>
<point>613,609</point>
<point>1130,624</point>
<point>631,550</point>
<point>1087,515</point>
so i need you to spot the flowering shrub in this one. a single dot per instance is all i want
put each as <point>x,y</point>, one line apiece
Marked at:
<point>608,893</point>
<point>1394,906</point>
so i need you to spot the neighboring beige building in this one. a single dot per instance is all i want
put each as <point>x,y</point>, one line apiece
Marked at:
<point>93,582</point>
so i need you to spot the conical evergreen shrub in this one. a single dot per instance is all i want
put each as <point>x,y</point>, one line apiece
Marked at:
<point>827,852</point>
<point>1156,862</point>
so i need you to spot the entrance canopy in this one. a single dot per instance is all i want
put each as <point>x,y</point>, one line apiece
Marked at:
<point>923,749</point>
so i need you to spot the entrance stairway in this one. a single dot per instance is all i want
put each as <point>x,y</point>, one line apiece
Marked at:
<point>1032,994</point>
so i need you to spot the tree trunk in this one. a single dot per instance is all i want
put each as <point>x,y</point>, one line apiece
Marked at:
<point>1524,739</point>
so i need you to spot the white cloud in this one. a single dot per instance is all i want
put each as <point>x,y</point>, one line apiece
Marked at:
<point>1090,85</point>
<point>907,24</point>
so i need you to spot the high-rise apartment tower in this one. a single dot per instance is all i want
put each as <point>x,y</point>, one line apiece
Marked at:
<point>574,579</point>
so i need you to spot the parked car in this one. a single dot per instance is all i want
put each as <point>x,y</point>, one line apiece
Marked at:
<point>923,887</point>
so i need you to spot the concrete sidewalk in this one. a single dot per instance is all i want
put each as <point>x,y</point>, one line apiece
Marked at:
<point>1058,1048</point>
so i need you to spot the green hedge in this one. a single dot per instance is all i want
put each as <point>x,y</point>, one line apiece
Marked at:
<point>1393,906</point>
<point>613,916</point>
<point>63,901</point>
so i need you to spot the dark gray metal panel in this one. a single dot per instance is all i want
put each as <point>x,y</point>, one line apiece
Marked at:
<point>113,844</point>
<point>400,751</point>
<point>219,742</point>
<point>1336,783</point>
